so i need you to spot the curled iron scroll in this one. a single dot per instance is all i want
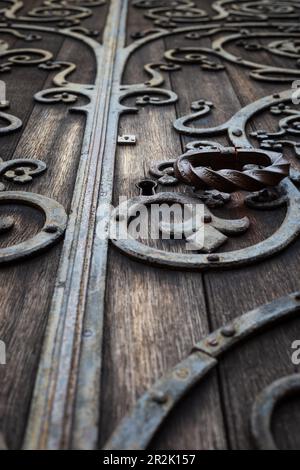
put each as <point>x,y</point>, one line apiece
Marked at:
<point>167,14</point>
<point>264,406</point>
<point>14,123</point>
<point>52,231</point>
<point>235,128</point>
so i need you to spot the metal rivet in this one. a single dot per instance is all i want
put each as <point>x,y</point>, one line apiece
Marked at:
<point>207,219</point>
<point>87,333</point>
<point>159,397</point>
<point>182,373</point>
<point>228,331</point>
<point>237,132</point>
<point>50,229</point>
<point>19,171</point>
<point>213,258</point>
<point>213,342</point>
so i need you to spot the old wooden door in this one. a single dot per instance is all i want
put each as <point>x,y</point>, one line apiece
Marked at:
<point>124,342</point>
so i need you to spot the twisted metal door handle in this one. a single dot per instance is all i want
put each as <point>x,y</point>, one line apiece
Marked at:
<point>227,169</point>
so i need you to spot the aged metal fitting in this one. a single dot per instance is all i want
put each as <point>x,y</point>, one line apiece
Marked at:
<point>159,397</point>
<point>223,169</point>
<point>213,258</point>
<point>127,139</point>
<point>264,407</point>
<point>228,331</point>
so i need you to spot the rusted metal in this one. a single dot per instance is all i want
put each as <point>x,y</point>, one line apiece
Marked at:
<point>224,169</point>
<point>212,199</point>
<point>138,428</point>
<point>164,171</point>
<point>264,406</point>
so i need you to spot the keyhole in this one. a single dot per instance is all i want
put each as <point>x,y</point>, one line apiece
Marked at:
<point>147,187</point>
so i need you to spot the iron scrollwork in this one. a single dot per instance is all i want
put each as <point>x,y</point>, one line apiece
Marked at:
<point>138,428</point>
<point>65,14</point>
<point>182,17</point>
<point>22,171</point>
<point>169,14</point>
<point>227,180</point>
<point>264,407</point>
<point>52,230</point>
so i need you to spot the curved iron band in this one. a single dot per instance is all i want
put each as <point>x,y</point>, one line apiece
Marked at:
<point>138,428</point>
<point>223,169</point>
<point>52,231</point>
<point>264,407</point>
<point>14,123</point>
<point>285,234</point>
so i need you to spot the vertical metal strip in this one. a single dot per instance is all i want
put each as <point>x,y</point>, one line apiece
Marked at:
<point>70,366</point>
<point>86,417</point>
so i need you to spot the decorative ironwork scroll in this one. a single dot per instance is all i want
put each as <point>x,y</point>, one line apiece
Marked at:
<point>169,14</point>
<point>53,229</point>
<point>264,407</point>
<point>65,407</point>
<point>23,171</point>
<point>138,428</point>
<point>60,18</point>
<point>235,129</point>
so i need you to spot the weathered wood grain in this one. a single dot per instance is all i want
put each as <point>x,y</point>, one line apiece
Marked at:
<point>153,317</point>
